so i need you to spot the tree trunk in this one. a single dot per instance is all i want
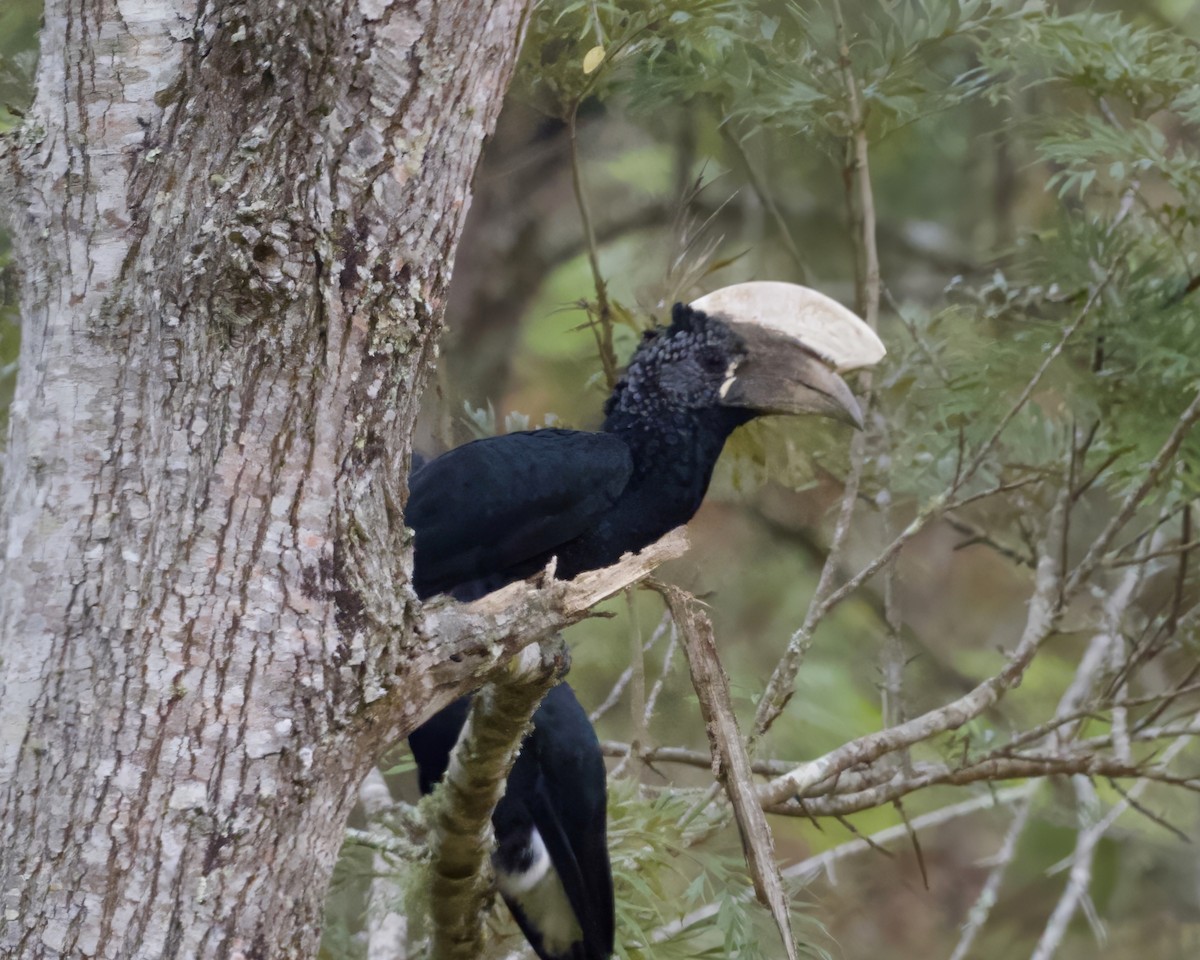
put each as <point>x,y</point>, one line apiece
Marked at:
<point>236,223</point>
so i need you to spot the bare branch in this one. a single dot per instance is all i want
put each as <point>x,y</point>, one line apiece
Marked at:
<point>808,870</point>
<point>664,672</point>
<point>988,770</point>
<point>1076,890</point>
<point>604,336</point>
<point>977,535</point>
<point>982,908</point>
<point>469,641</point>
<point>1181,549</point>
<point>627,674</point>
<point>1043,613</point>
<point>731,761</point>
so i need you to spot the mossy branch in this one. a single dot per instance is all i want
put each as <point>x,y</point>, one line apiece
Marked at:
<point>461,880</point>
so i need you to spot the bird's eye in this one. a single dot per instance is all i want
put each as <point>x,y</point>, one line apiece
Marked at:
<point>714,361</point>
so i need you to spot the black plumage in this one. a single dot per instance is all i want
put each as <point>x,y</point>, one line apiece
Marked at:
<point>551,857</point>
<point>472,537</point>
<point>497,510</point>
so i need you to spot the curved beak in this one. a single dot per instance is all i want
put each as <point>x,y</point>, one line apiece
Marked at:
<point>782,375</point>
<point>797,340</point>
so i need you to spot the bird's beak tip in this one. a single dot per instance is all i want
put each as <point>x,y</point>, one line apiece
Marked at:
<point>853,415</point>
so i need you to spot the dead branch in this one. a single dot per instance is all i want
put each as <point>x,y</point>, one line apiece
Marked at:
<point>730,759</point>
<point>469,641</point>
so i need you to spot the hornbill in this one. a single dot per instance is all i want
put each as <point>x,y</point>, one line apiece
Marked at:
<point>497,510</point>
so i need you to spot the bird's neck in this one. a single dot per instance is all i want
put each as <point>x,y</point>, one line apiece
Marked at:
<point>673,458</point>
<point>674,452</point>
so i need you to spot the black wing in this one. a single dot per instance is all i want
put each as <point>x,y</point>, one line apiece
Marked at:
<point>558,786</point>
<point>569,811</point>
<point>501,506</point>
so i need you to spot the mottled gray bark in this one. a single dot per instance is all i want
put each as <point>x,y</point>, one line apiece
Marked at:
<point>236,223</point>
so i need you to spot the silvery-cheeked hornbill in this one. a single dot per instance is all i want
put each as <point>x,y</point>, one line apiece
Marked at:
<point>496,510</point>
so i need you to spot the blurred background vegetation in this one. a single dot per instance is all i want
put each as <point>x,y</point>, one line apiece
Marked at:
<point>18,55</point>
<point>1023,156</point>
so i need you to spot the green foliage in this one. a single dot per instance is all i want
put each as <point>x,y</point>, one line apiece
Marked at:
<point>1094,120</point>
<point>910,61</point>
<point>633,36</point>
<point>776,65</point>
<point>1102,55</point>
<point>661,873</point>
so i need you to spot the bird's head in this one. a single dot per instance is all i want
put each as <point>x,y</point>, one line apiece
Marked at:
<point>762,347</point>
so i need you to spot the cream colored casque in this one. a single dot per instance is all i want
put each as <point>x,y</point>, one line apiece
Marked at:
<point>797,343</point>
<point>819,322</point>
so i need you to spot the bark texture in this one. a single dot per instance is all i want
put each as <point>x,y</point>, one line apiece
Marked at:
<point>236,222</point>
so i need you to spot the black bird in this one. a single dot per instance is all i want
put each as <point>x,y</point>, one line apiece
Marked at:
<point>497,510</point>
<point>551,857</point>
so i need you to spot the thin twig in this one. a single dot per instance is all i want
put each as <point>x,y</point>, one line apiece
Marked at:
<point>808,870</point>
<point>1019,404</point>
<point>604,335</point>
<point>977,535</point>
<point>614,695</point>
<point>386,923</point>
<point>1181,550</point>
<point>663,674</point>
<point>767,199</point>
<point>982,908</point>
<point>1042,616</point>
<point>1134,499</point>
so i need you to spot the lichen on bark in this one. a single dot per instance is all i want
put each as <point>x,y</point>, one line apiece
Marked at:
<point>236,228</point>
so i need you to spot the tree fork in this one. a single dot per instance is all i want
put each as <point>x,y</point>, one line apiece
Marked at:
<point>235,222</point>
